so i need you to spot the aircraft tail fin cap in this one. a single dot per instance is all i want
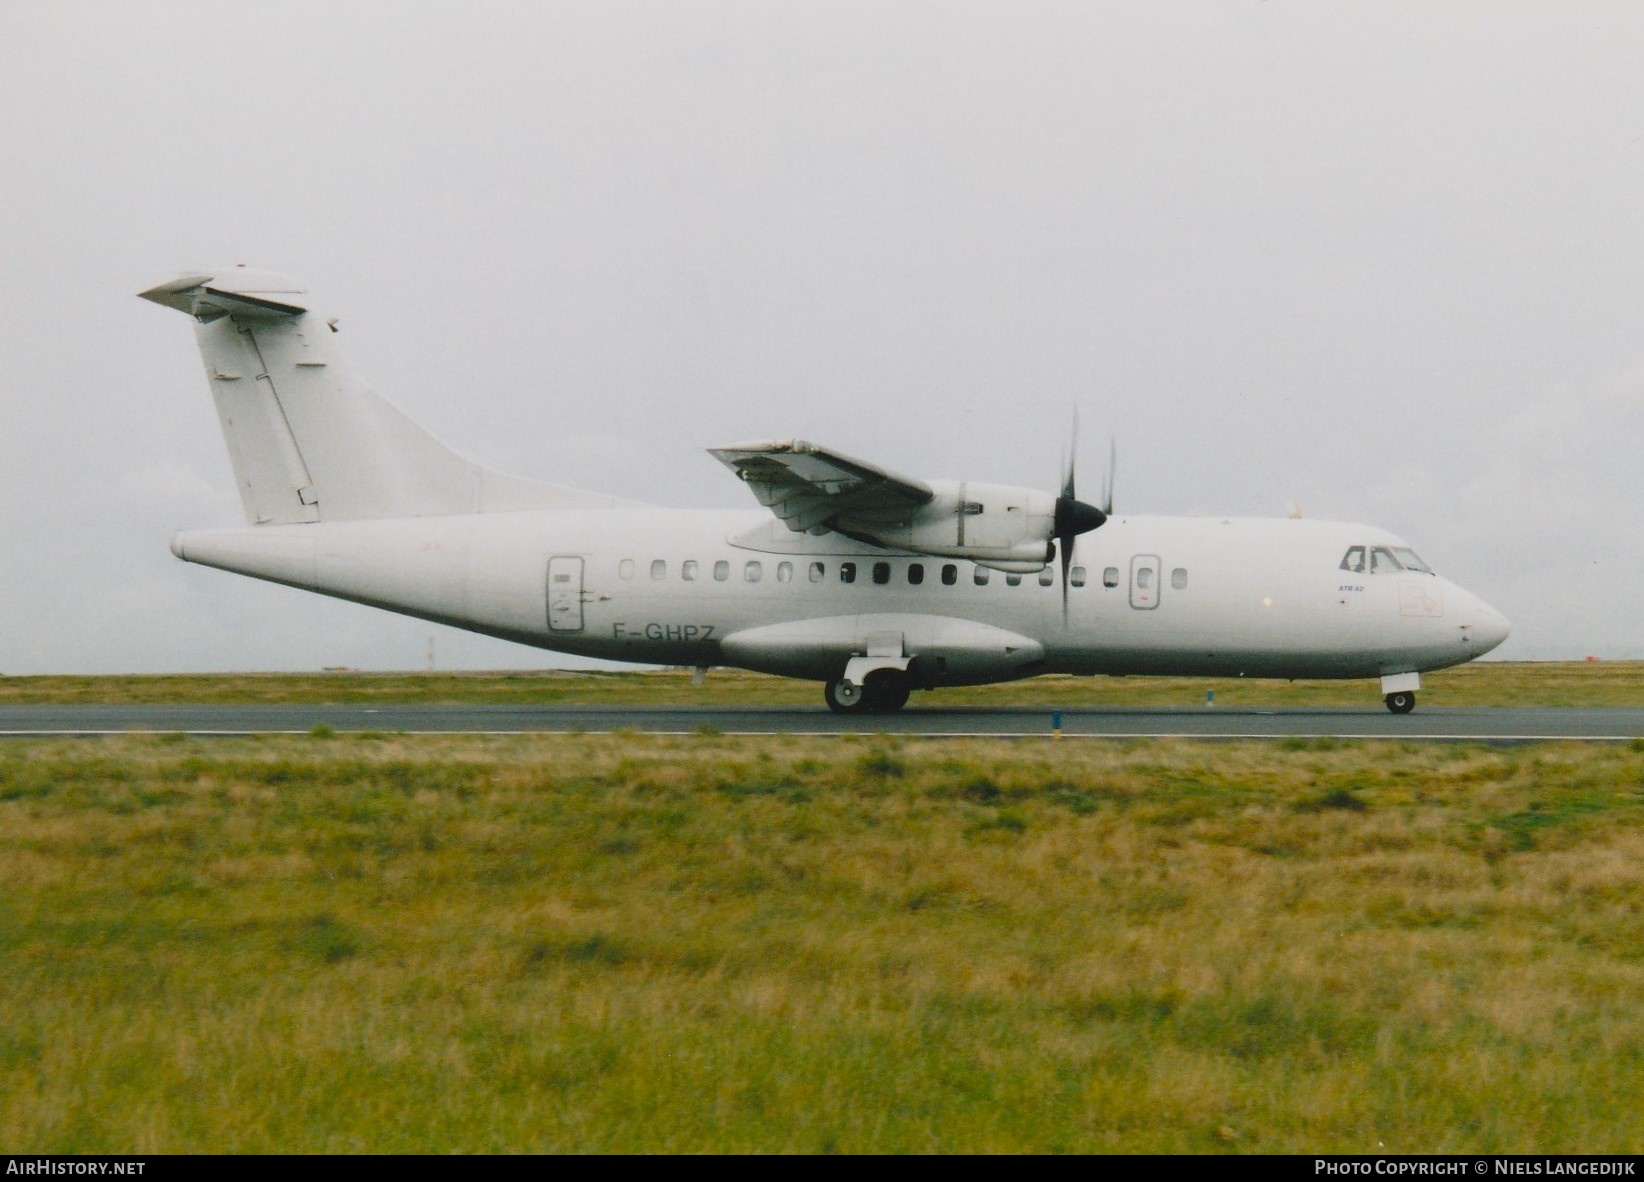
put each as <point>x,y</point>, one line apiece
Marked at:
<point>234,291</point>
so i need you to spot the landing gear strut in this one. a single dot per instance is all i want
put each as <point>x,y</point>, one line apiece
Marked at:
<point>885,691</point>
<point>1402,702</point>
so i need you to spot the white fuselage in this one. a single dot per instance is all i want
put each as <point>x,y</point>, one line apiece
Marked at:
<point>1184,596</point>
<point>872,582</point>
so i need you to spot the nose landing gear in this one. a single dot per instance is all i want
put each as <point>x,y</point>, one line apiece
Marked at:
<point>1399,691</point>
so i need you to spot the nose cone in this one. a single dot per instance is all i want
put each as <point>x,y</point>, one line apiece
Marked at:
<point>1490,627</point>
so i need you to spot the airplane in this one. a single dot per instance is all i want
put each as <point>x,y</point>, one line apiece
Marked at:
<point>873,583</point>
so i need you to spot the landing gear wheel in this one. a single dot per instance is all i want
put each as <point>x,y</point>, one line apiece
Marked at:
<point>845,697</point>
<point>1402,702</point>
<point>886,691</point>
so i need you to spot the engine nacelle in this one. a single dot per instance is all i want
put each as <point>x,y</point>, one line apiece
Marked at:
<point>995,525</point>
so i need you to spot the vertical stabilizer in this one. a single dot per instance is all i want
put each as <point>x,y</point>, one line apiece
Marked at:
<point>308,440</point>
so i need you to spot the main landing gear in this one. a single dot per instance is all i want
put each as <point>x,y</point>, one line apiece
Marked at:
<point>884,691</point>
<point>1402,702</point>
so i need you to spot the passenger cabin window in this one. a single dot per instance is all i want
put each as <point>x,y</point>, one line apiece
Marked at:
<point>1144,578</point>
<point>1047,577</point>
<point>1353,560</point>
<point>625,569</point>
<point>722,571</point>
<point>950,574</point>
<point>1110,577</point>
<point>659,568</point>
<point>817,571</point>
<point>980,576</point>
<point>847,572</point>
<point>916,573</point>
<point>687,570</point>
<point>1178,578</point>
<point>881,573</point>
<point>1076,576</point>
<point>753,572</point>
<point>1382,561</point>
<point>1013,580</point>
<point>784,572</point>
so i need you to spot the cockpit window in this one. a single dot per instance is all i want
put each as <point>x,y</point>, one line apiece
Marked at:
<point>1382,561</point>
<point>1411,562</point>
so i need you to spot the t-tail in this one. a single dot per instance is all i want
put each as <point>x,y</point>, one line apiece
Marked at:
<point>309,441</point>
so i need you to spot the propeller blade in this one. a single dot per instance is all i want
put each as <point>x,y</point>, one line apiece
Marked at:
<point>1072,458</point>
<point>1073,516</point>
<point>1107,479</point>
<point>1062,549</point>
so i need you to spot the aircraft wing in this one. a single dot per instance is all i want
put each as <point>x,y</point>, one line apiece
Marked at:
<point>812,489</point>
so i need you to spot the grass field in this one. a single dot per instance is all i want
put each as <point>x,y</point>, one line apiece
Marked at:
<point>1568,683</point>
<point>670,944</point>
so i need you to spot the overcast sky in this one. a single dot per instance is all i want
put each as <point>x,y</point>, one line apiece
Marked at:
<point>1382,260</point>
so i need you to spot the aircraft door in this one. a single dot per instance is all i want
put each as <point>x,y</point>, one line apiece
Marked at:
<point>565,593</point>
<point>1144,582</point>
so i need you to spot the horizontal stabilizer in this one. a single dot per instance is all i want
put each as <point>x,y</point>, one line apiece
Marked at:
<point>242,293</point>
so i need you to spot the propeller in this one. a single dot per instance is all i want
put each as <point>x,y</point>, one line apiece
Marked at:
<point>1107,478</point>
<point>1073,516</point>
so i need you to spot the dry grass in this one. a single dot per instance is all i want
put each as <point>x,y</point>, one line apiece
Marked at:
<point>1491,683</point>
<point>651,944</point>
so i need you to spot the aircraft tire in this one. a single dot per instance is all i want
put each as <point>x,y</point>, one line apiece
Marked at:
<point>1402,702</point>
<point>844,697</point>
<point>886,691</point>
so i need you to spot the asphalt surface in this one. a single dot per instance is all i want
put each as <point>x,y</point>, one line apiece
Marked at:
<point>1485,724</point>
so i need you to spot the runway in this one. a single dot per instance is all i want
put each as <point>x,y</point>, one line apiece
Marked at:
<point>1482,724</point>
